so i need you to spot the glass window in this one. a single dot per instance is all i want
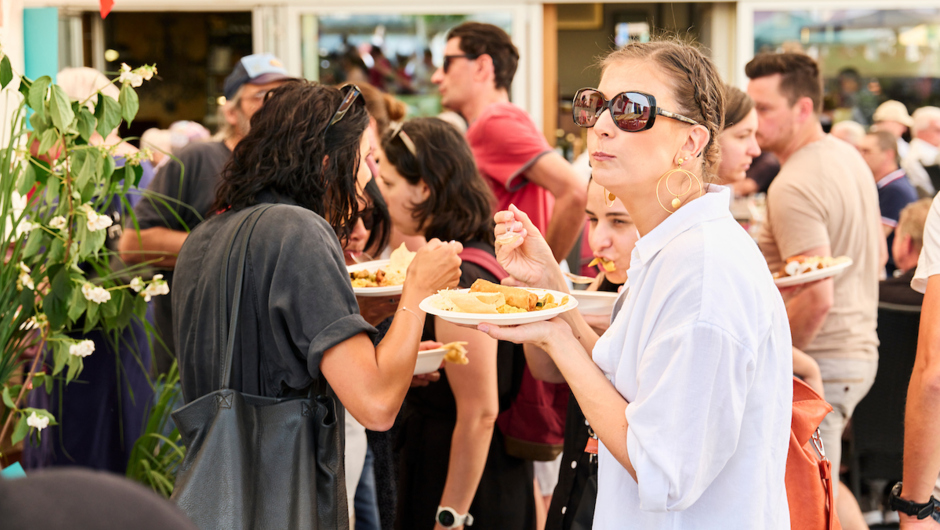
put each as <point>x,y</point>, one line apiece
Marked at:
<point>396,53</point>
<point>867,56</point>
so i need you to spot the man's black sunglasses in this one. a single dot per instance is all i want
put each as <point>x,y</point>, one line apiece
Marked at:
<point>631,111</point>
<point>352,95</point>
<point>449,58</point>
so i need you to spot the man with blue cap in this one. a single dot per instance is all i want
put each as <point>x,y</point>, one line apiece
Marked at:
<point>183,191</point>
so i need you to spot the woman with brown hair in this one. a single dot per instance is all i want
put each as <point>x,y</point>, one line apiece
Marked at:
<point>738,138</point>
<point>689,390</point>
<point>452,455</point>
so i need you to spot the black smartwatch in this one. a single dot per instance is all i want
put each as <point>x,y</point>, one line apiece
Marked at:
<point>449,518</point>
<point>921,511</point>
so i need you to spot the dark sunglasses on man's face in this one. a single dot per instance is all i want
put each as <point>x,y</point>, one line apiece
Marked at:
<point>631,111</point>
<point>449,58</point>
<point>352,95</point>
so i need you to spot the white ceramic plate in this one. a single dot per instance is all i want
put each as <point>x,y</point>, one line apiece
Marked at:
<point>504,319</point>
<point>595,302</point>
<point>790,281</point>
<point>373,266</point>
<point>429,360</point>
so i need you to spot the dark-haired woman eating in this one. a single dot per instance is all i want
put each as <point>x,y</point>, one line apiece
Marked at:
<point>299,316</point>
<point>454,467</point>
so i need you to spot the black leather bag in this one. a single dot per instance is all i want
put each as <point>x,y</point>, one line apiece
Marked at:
<point>256,462</point>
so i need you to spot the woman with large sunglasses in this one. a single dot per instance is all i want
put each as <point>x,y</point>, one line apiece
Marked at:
<point>689,390</point>
<point>299,316</point>
<point>453,458</point>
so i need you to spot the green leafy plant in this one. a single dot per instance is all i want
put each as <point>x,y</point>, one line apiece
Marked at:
<point>156,455</point>
<point>56,186</point>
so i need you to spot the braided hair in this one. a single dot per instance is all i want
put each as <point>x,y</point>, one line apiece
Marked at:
<point>698,87</point>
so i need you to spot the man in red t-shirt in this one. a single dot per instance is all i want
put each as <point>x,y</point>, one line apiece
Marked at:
<point>512,155</point>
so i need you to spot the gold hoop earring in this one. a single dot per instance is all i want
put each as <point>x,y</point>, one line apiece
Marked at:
<point>677,202</point>
<point>609,198</point>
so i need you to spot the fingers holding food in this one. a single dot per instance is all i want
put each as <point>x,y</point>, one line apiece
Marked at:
<point>436,266</point>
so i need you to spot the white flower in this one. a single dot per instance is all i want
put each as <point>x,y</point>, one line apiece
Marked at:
<point>137,284</point>
<point>18,205</point>
<point>37,422</point>
<point>29,324</point>
<point>102,222</point>
<point>24,227</point>
<point>129,77</point>
<point>156,288</point>
<point>157,277</point>
<point>98,295</point>
<point>82,348</point>
<point>147,72</point>
<point>25,280</point>
<point>57,223</point>
<point>95,221</point>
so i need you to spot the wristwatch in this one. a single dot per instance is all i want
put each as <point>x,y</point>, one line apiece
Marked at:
<point>449,518</point>
<point>921,511</point>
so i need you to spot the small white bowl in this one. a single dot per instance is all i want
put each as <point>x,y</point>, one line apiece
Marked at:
<point>595,302</point>
<point>429,360</point>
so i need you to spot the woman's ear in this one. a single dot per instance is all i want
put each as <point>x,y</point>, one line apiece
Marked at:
<point>696,142</point>
<point>422,192</point>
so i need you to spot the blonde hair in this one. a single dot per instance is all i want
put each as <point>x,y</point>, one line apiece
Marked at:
<point>697,87</point>
<point>912,220</point>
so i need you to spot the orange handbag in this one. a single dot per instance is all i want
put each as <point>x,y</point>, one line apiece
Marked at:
<point>810,486</point>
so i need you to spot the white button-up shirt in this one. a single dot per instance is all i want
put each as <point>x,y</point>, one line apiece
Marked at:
<point>701,350</point>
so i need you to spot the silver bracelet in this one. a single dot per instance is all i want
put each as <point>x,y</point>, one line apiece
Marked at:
<point>403,308</point>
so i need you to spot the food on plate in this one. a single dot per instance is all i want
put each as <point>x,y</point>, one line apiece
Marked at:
<point>490,298</point>
<point>507,237</point>
<point>608,265</point>
<point>461,302</point>
<point>515,297</point>
<point>798,265</point>
<point>390,275</point>
<point>456,353</point>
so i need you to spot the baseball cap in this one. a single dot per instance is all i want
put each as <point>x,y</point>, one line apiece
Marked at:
<point>892,110</point>
<point>256,69</point>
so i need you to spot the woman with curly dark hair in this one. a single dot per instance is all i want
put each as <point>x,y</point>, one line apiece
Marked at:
<point>452,454</point>
<point>298,316</point>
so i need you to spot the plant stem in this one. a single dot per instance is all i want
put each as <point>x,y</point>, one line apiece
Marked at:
<point>68,194</point>
<point>26,383</point>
